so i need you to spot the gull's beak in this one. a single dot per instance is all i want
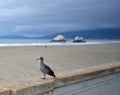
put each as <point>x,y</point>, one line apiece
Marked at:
<point>38,59</point>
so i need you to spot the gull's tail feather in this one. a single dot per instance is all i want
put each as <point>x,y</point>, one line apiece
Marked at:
<point>54,76</point>
<point>51,73</point>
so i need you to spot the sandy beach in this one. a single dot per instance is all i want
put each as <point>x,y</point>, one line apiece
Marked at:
<point>18,63</point>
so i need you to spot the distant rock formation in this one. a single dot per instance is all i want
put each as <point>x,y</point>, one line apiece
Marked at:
<point>79,39</point>
<point>59,38</point>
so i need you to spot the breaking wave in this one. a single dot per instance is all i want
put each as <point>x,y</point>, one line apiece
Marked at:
<point>16,43</point>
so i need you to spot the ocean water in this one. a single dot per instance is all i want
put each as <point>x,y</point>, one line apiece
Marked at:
<point>44,42</point>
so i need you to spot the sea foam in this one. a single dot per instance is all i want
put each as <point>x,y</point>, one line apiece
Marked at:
<point>14,43</point>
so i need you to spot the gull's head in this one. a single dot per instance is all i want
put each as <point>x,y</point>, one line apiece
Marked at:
<point>41,59</point>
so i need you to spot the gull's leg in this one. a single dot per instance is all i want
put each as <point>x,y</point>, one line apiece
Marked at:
<point>44,76</point>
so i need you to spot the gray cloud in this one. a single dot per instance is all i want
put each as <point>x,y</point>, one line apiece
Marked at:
<point>33,17</point>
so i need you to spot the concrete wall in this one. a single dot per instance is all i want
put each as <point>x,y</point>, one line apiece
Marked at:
<point>106,85</point>
<point>95,82</point>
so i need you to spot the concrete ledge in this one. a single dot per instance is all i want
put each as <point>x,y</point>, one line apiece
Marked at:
<point>37,88</point>
<point>5,92</point>
<point>46,87</point>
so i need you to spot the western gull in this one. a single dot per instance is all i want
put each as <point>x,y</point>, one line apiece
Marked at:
<point>45,69</point>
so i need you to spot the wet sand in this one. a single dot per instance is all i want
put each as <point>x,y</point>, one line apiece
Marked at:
<point>18,64</point>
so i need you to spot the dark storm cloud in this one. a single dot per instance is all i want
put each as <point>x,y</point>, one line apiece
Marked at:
<point>33,17</point>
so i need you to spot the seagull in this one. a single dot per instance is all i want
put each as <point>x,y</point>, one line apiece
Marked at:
<point>45,69</point>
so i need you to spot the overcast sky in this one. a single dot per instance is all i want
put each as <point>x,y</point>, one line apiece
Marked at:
<point>40,17</point>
